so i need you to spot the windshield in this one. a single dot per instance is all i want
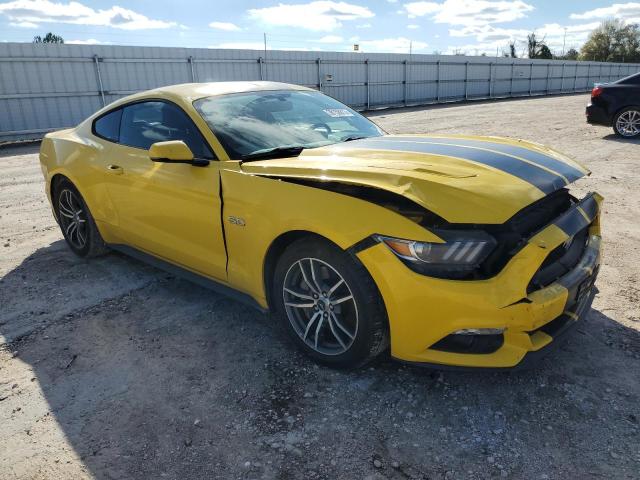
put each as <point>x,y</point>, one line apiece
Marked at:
<point>250,123</point>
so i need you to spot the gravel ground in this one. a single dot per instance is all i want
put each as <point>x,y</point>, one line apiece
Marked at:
<point>111,369</point>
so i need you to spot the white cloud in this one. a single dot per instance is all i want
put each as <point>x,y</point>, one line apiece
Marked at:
<point>392,45</point>
<point>629,11</point>
<point>420,9</point>
<point>488,49</point>
<point>331,39</point>
<point>241,45</point>
<point>469,12</point>
<point>364,25</point>
<point>413,26</point>
<point>226,26</point>
<point>45,11</point>
<point>487,33</point>
<point>89,41</point>
<point>24,24</point>
<point>554,34</point>
<point>322,15</point>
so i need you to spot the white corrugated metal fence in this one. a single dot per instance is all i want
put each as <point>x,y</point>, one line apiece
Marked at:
<point>46,87</point>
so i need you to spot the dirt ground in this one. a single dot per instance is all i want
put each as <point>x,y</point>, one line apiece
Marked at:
<point>110,369</point>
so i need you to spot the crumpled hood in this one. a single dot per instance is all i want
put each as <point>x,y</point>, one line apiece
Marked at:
<point>463,179</point>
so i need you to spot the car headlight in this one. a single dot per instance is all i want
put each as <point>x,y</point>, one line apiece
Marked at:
<point>457,257</point>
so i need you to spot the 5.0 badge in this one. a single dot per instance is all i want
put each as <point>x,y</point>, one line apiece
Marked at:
<point>237,221</point>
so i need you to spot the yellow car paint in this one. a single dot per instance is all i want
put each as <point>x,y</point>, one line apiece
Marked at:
<point>173,150</point>
<point>183,214</point>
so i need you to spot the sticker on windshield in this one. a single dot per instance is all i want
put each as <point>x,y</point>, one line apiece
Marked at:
<point>338,112</point>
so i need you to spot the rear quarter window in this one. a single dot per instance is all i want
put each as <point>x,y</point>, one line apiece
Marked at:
<point>108,126</point>
<point>632,80</point>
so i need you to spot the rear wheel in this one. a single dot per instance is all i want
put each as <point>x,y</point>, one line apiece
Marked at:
<point>329,304</point>
<point>626,123</point>
<point>75,220</point>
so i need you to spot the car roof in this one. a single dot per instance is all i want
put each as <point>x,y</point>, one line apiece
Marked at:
<point>193,91</point>
<point>189,92</point>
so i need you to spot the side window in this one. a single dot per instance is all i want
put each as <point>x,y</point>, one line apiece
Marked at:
<point>108,126</point>
<point>633,80</point>
<point>146,123</point>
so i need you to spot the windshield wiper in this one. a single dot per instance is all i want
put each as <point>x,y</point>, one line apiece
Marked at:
<point>290,151</point>
<point>354,137</point>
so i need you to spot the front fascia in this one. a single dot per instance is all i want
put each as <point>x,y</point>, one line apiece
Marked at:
<point>423,310</point>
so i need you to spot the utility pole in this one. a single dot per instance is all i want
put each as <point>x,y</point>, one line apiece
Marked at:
<point>265,55</point>
<point>410,47</point>
<point>564,40</point>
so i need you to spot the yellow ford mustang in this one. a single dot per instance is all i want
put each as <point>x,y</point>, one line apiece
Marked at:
<point>452,250</point>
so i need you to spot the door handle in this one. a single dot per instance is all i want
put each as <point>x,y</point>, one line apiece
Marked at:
<point>115,169</point>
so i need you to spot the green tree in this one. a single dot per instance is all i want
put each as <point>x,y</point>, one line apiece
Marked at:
<point>48,38</point>
<point>613,41</point>
<point>537,48</point>
<point>545,53</point>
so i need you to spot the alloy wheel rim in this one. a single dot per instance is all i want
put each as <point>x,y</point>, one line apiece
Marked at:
<point>628,124</point>
<point>72,218</point>
<point>320,306</point>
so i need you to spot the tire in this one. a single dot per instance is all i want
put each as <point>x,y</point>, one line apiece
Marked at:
<point>347,327</point>
<point>626,122</point>
<point>76,222</point>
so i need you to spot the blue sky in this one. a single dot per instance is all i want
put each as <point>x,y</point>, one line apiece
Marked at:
<point>446,26</point>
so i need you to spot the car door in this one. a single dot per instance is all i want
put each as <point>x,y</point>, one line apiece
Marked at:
<point>172,211</point>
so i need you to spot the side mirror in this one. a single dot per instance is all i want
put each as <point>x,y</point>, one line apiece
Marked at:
<point>175,151</point>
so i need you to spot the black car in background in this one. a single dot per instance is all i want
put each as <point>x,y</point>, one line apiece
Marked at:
<point>617,104</point>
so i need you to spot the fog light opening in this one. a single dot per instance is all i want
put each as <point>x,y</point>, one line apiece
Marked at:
<point>479,331</point>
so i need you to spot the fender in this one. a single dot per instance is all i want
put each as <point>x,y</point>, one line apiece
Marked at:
<point>276,207</point>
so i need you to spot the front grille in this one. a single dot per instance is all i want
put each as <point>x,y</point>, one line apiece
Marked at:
<point>513,235</point>
<point>560,261</point>
<point>539,214</point>
<point>554,326</point>
<point>476,344</point>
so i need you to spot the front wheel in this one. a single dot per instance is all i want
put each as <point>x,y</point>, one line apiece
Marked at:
<point>76,222</point>
<point>627,122</point>
<point>329,304</point>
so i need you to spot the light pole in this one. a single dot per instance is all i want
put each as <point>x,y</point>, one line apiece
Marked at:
<point>564,40</point>
<point>265,55</point>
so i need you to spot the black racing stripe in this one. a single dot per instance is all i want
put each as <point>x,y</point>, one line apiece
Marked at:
<point>590,207</point>
<point>564,169</point>
<point>571,222</point>
<point>542,179</point>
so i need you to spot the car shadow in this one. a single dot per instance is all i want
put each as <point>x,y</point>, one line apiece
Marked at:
<point>612,137</point>
<point>168,380</point>
<point>19,148</point>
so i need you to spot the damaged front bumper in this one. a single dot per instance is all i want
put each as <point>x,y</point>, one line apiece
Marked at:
<point>426,315</point>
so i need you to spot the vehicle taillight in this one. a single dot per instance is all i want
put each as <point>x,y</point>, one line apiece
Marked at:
<point>596,92</point>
